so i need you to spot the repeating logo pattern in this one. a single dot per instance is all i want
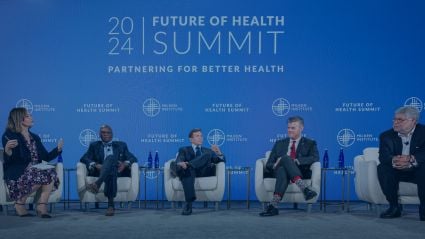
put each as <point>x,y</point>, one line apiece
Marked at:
<point>27,104</point>
<point>346,137</point>
<point>415,102</point>
<point>151,107</point>
<point>281,107</point>
<point>216,137</point>
<point>87,136</point>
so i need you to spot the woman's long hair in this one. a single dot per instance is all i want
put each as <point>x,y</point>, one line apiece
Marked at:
<point>16,116</point>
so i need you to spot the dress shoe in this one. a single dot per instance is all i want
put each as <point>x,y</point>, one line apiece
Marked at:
<point>92,187</point>
<point>270,211</point>
<point>309,194</point>
<point>392,212</point>
<point>187,210</point>
<point>110,211</point>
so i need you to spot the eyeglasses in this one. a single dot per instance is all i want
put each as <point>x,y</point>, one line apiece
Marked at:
<point>400,120</point>
<point>105,132</point>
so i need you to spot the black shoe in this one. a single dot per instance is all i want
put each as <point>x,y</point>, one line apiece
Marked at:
<point>270,211</point>
<point>309,194</point>
<point>187,210</point>
<point>392,212</point>
<point>110,212</point>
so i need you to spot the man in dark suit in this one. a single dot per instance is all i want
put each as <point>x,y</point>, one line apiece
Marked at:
<point>402,158</point>
<point>195,161</point>
<point>107,160</point>
<point>290,160</point>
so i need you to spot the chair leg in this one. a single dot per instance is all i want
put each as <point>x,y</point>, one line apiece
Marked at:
<point>217,206</point>
<point>264,206</point>
<point>205,204</point>
<point>295,205</point>
<point>173,205</point>
<point>86,206</point>
<point>52,207</point>
<point>5,209</point>
<point>309,206</point>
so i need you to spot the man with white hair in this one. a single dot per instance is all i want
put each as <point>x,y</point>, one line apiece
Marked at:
<point>402,157</point>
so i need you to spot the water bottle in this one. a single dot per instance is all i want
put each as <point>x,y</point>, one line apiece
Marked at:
<point>341,159</point>
<point>60,159</point>
<point>150,160</point>
<point>326,159</point>
<point>156,162</point>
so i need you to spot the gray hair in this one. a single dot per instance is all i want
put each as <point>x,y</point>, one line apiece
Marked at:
<point>409,111</point>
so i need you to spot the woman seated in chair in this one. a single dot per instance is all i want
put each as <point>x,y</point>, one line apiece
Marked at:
<point>22,151</point>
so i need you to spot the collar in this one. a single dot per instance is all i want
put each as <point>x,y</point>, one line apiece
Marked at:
<point>408,134</point>
<point>107,144</point>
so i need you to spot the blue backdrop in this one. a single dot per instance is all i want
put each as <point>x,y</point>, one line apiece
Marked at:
<point>155,69</point>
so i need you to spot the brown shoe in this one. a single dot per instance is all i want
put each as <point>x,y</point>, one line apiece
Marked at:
<point>92,187</point>
<point>110,211</point>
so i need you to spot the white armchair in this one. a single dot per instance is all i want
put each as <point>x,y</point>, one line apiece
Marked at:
<point>54,197</point>
<point>367,184</point>
<point>207,189</point>
<point>128,187</point>
<point>264,187</point>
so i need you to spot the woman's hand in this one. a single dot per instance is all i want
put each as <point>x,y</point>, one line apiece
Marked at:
<point>60,145</point>
<point>10,145</point>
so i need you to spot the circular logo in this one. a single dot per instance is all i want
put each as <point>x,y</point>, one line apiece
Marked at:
<point>415,102</point>
<point>151,107</point>
<point>87,136</point>
<point>152,173</point>
<point>27,104</point>
<point>216,137</point>
<point>281,107</point>
<point>346,137</point>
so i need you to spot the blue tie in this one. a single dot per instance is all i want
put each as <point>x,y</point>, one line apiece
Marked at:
<point>198,151</point>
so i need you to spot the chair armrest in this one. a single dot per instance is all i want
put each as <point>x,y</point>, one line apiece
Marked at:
<point>135,180</point>
<point>316,176</point>
<point>81,176</point>
<point>260,189</point>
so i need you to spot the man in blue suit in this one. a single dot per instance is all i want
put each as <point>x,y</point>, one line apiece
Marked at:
<point>107,160</point>
<point>290,161</point>
<point>402,158</point>
<point>195,161</point>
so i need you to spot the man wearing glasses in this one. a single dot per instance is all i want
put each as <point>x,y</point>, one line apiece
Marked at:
<point>402,158</point>
<point>107,160</point>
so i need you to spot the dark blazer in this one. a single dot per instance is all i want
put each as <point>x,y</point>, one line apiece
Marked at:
<point>14,165</point>
<point>307,154</point>
<point>96,154</point>
<point>186,154</point>
<point>390,145</point>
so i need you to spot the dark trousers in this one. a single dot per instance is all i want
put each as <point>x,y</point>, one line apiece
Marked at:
<point>108,175</point>
<point>199,167</point>
<point>389,179</point>
<point>286,170</point>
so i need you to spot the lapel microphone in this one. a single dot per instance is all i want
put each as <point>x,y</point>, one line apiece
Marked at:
<point>406,143</point>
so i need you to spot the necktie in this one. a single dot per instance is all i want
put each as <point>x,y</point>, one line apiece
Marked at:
<point>198,151</point>
<point>293,154</point>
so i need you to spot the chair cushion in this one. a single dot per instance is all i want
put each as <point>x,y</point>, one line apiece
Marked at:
<point>201,184</point>
<point>123,183</point>
<point>408,189</point>
<point>371,154</point>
